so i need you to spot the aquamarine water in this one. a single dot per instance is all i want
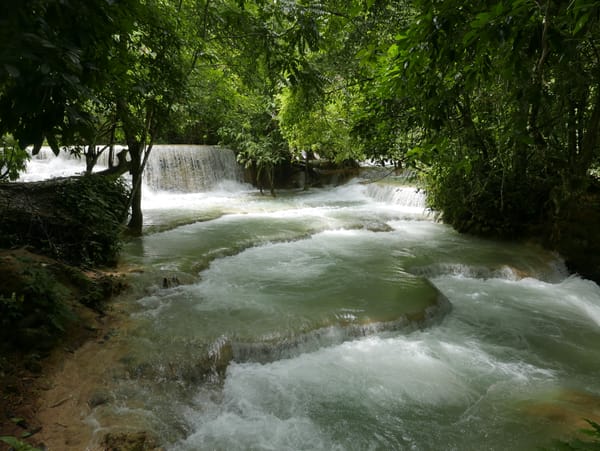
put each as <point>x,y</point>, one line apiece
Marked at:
<point>346,318</point>
<point>343,318</point>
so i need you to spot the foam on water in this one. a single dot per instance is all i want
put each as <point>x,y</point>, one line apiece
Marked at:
<point>46,165</point>
<point>408,196</point>
<point>571,297</point>
<point>288,289</point>
<point>331,396</point>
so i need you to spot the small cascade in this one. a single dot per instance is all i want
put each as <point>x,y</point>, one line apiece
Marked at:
<point>66,157</point>
<point>407,196</point>
<point>190,168</point>
<point>182,168</point>
<point>45,165</point>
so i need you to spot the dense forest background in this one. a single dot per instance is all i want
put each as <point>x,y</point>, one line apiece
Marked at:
<point>496,104</point>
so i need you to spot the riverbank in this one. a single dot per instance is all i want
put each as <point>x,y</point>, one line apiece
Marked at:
<point>74,389</point>
<point>38,344</point>
<point>32,410</point>
<point>576,236</point>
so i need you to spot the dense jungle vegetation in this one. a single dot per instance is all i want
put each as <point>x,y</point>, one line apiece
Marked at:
<point>496,104</point>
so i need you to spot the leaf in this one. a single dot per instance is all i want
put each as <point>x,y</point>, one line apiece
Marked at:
<point>581,23</point>
<point>470,37</point>
<point>595,431</point>
<point>481,20</point>
<point>393,51</point>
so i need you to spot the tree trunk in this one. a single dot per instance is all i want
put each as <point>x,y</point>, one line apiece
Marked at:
<point>91,157</point>
<point>136,220</point>
<point>590,139</point>
<point>139,151</point>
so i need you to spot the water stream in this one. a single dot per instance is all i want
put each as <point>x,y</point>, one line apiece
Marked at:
<point>346,318</point>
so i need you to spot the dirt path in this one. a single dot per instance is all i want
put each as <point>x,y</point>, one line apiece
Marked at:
<point>74,386</point>
<point>50,407</point>
<point>47,397</point>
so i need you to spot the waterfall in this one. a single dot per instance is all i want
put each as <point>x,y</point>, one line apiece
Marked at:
<point>190,168</point>
<point>407,196</point>
<point>45,165</point>
<point>183,168</point>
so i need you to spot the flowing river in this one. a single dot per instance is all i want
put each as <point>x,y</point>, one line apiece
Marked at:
<point>346,318</point>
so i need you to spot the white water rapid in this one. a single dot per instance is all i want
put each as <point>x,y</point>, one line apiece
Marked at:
<point>345,318</point>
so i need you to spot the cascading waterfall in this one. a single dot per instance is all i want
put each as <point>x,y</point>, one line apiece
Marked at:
<point>182,168</point>
<point>190,169</point>
<point>320,320</point>
<point>406,196</point>
<point>46,165</point>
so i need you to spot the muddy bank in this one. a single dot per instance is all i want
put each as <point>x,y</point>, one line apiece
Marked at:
<point>49,310</point>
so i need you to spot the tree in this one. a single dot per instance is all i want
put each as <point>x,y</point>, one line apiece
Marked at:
<point>264,47</point>
<point>147,79</point>
<point>254,133</point>
<point>12,158</point>
<point>505,102</point>
<point>69,81</point>
<point>323,125</point>
<point>338,119</point>
<point>52,63</point>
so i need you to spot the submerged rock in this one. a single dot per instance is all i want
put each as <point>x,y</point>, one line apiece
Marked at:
<point>196,362</point>
<point>170,282</point>
<point>567,410</point>
<point>131,441</point>
<point>98,398</point>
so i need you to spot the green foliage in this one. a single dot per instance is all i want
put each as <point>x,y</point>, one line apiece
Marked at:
<point>52,62</point>
<point>18,445</point>
<point>212,100</point>
<point>97,207</point>
<point>254,134</point>
<point>36,315</point>
<point>503,104</point>
<point>322,126</point>
<point>12,158</point>
<point>78,220</point>
<point>171,70</point>
<point>11,307</point>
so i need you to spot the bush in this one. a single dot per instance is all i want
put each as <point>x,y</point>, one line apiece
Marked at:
<point>98,206</point>
<point>12,158</point>
<point>36,315</point>
<point>78,220</point>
